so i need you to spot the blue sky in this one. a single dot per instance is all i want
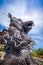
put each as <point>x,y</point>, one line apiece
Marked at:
<point>26,10</point>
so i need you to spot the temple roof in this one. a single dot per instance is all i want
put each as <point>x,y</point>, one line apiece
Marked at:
<point>4,31</point>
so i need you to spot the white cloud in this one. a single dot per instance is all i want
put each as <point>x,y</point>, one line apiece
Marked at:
<point>37,37</point>
<point>16,10</point>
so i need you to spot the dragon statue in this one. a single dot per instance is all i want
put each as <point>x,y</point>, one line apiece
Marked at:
<point>17,43</point>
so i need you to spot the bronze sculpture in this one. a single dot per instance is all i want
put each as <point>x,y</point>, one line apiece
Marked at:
<point>17,43</point>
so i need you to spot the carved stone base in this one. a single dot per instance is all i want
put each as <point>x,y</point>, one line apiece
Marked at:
<point>19,61</point>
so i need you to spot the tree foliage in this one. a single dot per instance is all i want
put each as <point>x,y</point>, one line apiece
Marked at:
<point>40,51</point>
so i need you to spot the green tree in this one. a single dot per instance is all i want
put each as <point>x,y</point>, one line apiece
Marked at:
<point>40,51</point>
